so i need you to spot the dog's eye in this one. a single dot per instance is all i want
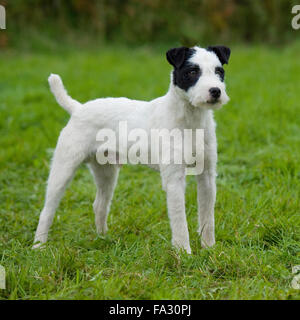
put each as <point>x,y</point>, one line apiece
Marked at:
<point>192,73</point>
<point>220,71</point>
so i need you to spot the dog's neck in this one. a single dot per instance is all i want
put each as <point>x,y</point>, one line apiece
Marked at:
<point>184,110</point>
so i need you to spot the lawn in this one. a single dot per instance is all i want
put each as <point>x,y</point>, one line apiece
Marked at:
<point>257,209</point>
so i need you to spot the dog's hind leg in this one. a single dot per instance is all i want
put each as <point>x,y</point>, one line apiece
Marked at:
<point>67,157</point>
<point>105,177</point>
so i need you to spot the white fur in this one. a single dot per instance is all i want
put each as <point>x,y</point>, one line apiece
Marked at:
<point>176,109</point>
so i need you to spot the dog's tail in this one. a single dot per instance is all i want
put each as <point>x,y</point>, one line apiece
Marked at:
<point>61,94</point>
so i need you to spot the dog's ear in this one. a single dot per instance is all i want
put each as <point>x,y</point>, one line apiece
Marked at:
<point>176,56</point>
<point>222,52</point>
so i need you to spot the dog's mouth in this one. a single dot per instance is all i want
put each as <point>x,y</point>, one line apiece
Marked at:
<point>213,101</point>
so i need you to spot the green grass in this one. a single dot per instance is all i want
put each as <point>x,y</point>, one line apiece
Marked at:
<point>257,209</point>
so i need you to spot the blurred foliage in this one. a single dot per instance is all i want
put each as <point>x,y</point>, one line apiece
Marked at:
<point>141,21</point>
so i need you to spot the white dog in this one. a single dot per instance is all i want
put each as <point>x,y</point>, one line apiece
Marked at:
<point>197,87</point>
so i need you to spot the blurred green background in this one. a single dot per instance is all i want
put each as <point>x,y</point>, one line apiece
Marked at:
<point>147,21</point>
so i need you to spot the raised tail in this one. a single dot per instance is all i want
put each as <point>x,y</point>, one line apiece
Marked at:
<point>61,94</point>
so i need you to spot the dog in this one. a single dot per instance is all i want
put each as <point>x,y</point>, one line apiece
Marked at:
<point>197,88</point>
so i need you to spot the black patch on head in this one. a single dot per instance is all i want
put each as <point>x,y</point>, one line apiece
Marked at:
<point>222,52</point>
<point>185,74</point>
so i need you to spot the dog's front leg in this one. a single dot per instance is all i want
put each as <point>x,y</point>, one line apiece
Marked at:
<point>206,195</point>
<point>173,181</point>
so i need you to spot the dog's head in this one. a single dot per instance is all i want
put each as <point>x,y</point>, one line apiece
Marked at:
<point>199,75</point>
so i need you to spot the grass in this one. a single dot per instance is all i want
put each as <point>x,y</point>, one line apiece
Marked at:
<point>257,210</point>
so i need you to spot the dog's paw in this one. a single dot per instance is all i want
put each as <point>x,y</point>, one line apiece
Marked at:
<point>207,236</point>
<point>182,246</point>
<point>38,245</point>
<point>101,229</point>
<point>208,242</point>
<point>188,250</point>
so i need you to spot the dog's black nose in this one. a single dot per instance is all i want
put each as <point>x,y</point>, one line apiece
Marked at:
<point>215,92</point>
